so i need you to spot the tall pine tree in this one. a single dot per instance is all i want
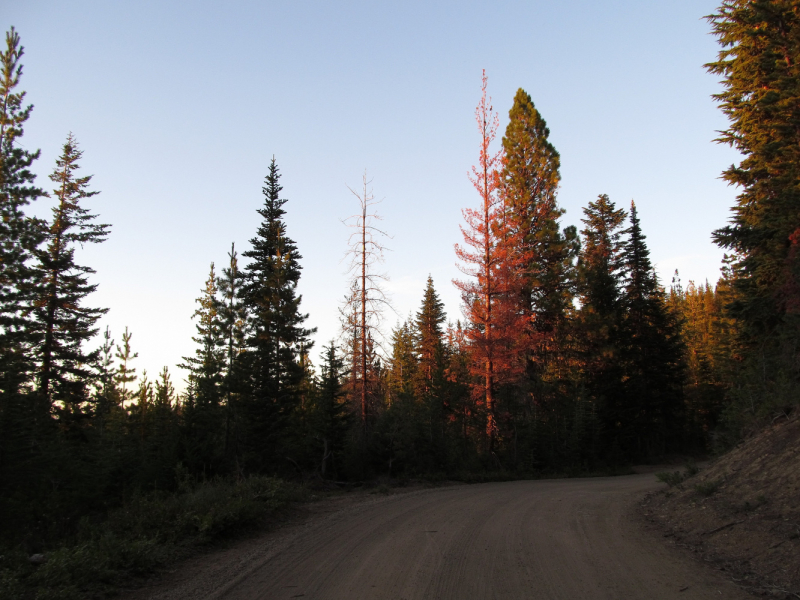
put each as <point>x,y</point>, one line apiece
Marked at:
<point>206,367</point>
<point>18,236</point>
<point>203,420</point>
<point>276,328</point>
<point>649,419</point>
<point>530,181</point>
<point>63,322</point>
<point>600,285</point>
<point>760,68</point>
<point>429,334</point>
<point>403,364</point>
<point>232,321</point>
<point>490,258</point>
<point>431,383</point>
<point>547,255</point>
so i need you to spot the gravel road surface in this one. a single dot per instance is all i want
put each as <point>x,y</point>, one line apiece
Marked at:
<point>573,539</point>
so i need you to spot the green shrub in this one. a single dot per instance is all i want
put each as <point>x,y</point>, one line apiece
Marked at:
<point>670,478</point>
<point>707,488</point>
<point>144,534</point>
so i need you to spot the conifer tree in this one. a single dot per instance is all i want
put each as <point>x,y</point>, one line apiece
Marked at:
<point>760,68</point>
<point>403,423</point>
<point>62,321</point>
<point>489,257</point>
<point>759,64</point>
<point>601,255</point>
<point>530,181</point>
<point>232,321</point>
<point>700,315</point>
<point>276,325</point>
<point>106,394</point>
<point>203,419</point>
<point>431,383</point>
<point>140,410</point>
<point>19,235</point>
<point>232,314</point>
<point>162,447</point>
<point>429,335</point>
<point>650,417</point>
<point>459,403</point>
<point>403,364</point>
<point>331,414</point>
<point>546,254</point>
<point>349,320</point>
<point>309,377</point>
<point>206,367</point>
<point>600,286</point>
<point>19,416</point>
<point>125,373</point>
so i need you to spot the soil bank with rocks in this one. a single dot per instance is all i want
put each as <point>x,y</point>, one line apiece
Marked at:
<point>742,512</point>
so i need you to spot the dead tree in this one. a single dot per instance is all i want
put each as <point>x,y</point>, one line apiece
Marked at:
<point>488,257</point>
<point>363,308</point>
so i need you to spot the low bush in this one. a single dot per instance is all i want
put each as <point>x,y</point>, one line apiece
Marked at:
<point>707,488</point>
<point>671,478</point>
<point>147,532</point>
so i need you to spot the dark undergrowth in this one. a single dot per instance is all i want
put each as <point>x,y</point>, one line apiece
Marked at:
<point>148,532</point>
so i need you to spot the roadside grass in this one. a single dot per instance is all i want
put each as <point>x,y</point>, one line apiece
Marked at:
<point>708,488</point>
<point>671,478</point>
<point>148,532</point>
<point>676,478</point>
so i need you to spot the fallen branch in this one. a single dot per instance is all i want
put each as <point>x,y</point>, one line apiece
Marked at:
<point>731,524</point>
<point>782,414</point>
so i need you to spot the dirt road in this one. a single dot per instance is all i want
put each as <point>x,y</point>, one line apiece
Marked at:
<point>557,539</point>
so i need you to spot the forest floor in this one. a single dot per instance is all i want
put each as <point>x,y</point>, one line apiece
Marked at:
<point>741,514</point>
<point>554,539</point>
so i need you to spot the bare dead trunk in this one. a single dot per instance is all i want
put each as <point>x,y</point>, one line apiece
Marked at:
<point>364,314</point>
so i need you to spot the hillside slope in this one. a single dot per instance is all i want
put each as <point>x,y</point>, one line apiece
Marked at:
<point>742,512</point>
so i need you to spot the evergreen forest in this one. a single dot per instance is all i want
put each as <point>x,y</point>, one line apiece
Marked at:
<point>570,356</point>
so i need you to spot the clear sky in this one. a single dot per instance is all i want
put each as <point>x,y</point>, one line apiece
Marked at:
<point>179,106</point>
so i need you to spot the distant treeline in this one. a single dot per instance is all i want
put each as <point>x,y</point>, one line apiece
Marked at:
<point>571,356</point>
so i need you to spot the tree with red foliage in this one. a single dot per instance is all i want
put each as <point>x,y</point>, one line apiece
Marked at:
<point>488,257</point>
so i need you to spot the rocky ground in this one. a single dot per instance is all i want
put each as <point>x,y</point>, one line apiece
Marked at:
<point>741,513</point>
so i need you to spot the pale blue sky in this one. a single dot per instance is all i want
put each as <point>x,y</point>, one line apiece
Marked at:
<point>179,107</point>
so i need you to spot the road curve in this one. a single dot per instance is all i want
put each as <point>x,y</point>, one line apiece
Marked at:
<point>555,539</point>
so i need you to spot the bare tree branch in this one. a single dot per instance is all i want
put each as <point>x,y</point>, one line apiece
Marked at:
<point>363,307</point>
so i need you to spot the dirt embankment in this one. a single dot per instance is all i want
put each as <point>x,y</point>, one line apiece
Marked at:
<point>742,512</point>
